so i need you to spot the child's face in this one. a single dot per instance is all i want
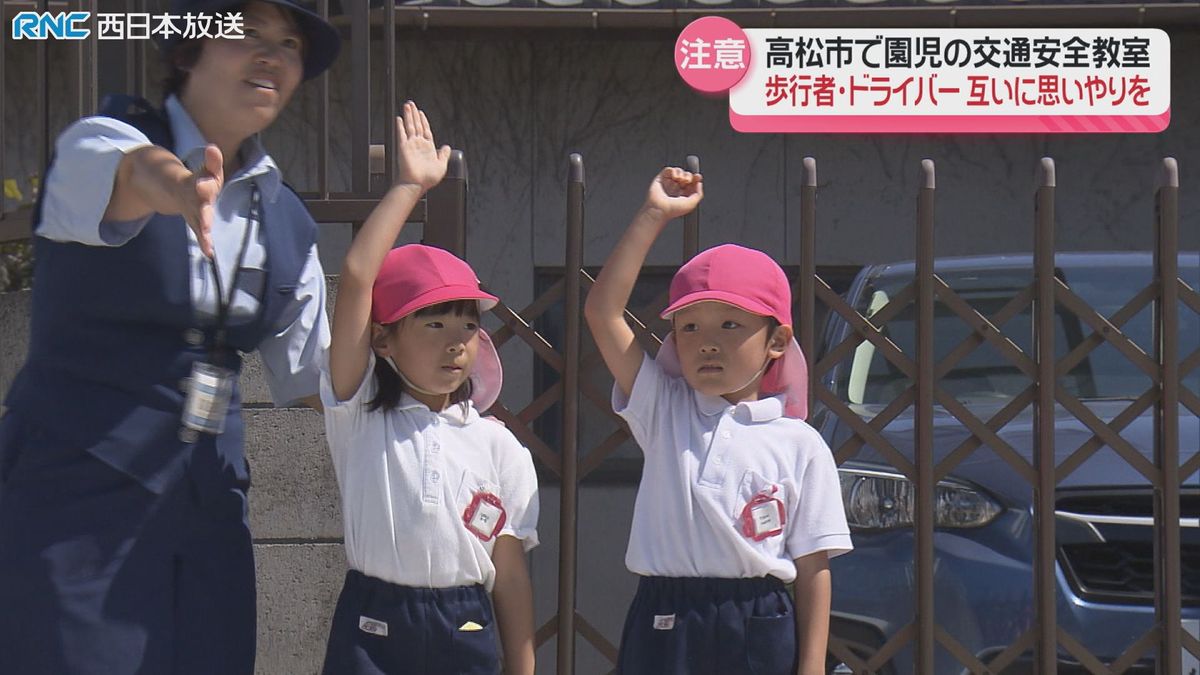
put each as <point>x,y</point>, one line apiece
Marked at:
<point>435,351</point>
<point>722,349</point>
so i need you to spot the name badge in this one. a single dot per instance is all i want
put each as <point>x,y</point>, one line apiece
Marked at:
<point>208,392</point>
<point>763,517</point>
<point>373,626</point>
<point>484,516</point>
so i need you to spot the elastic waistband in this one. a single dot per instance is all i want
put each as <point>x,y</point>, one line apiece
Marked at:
<point>386,590</point>
<point>710,586</point>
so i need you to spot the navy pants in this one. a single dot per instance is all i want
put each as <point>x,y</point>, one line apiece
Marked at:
<point>701,626</point>
<point>99,575</point>
<point>380,628</point>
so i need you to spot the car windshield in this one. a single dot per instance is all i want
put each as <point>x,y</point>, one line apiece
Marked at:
<point>985,372</point>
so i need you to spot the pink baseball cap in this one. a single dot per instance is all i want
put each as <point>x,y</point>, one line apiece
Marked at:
<point>415,276</point>
<point>752,281</point>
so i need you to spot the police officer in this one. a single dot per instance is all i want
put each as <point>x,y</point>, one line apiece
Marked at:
<point>167,245</point>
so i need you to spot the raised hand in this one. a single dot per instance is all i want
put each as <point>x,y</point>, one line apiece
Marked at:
<point>675,192</point>
<point>418,161</point>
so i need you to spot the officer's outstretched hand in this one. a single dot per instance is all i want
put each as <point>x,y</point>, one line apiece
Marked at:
<point>198,197</point>
<point>418,161</point>
<point>674,192</point>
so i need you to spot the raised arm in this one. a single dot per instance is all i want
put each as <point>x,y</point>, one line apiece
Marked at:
<point>673,193</point>
<point>420,166</point>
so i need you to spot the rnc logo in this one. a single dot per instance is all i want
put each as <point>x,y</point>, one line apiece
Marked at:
<point>43,25</point>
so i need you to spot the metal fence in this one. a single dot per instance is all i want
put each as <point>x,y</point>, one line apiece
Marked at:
<point>444,215</point>
<point>1165,367</point>
<point>1047,294</point>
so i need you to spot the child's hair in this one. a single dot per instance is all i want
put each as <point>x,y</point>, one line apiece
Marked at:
<point>390,386</point>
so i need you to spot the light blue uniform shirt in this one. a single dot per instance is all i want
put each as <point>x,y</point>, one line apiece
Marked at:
<point>77,192</point>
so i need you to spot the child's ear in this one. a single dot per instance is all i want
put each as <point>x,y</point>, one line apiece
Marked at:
<point>780,339</point>
<point>379,336</point>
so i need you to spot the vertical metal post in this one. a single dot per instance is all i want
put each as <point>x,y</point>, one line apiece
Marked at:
<point>807,243</point>
<point>87,54</point>
<point>141,68</point>
<point>569,497</point>
<point>3,127</point>
<point>129,53</point>
<point>924,427</point>
<point>691,222</point>
<point>42,98</point>
<point>323,121</point>
<point>446,209</point>
<point>1167,564</point>
<point>389,75</point>
<point>360,110</point>
<point>1046,653</point>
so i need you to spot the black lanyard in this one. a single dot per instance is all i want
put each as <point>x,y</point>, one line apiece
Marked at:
<point>252,218</point>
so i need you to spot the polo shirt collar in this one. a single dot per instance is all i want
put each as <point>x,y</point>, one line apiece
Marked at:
<point>762,410</point>
<point>458,415</point>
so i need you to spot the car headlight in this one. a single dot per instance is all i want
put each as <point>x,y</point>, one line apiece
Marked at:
<point>878,500</point>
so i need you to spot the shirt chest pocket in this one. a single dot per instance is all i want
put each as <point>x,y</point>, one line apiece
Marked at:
<point>240,242</point>
<point>480,507</point>
<point>760,508</point>
<point>252,275</point>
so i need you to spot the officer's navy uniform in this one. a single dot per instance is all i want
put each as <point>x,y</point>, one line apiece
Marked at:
<point>124,542</point>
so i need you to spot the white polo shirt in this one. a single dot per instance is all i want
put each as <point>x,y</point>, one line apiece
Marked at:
<point>706,460</point>
<point>408,475</point>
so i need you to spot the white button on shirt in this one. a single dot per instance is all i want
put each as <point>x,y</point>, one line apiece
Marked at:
<point>406,478</point>
<point>705,461</point>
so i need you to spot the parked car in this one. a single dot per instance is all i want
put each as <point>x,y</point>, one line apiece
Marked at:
<point>984,532</point>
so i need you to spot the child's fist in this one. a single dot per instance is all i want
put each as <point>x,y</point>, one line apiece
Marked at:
<point>675,192</point>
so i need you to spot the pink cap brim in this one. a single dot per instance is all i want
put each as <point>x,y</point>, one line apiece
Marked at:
<point>436,297</point>
<point>788,376</point>
<point>739,301</point>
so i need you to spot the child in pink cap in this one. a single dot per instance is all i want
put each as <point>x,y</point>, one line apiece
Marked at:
<point>439,505</point>
<point>739,496</point>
